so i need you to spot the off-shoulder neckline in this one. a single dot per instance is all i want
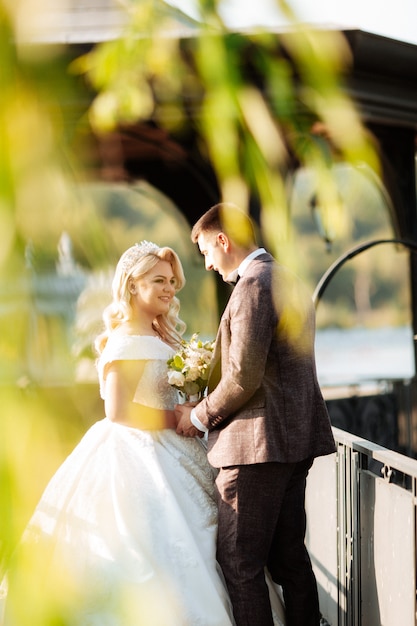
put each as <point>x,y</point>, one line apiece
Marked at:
<point>136,336</point>
<point>115,334</point>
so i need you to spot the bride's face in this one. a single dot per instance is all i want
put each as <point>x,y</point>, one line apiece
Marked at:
<point>152,294</point>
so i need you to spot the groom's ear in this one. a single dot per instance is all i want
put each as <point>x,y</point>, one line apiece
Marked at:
<point>223,240</point>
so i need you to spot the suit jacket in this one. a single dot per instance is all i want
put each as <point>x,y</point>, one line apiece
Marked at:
<point>264,402</point>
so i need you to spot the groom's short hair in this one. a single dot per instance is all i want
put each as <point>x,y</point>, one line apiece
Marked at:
<point>228,218</point>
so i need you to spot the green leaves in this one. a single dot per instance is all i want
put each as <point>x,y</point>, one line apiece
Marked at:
<point>178,362</point>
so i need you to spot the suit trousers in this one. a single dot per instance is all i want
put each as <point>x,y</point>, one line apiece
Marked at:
<point>262,523</point>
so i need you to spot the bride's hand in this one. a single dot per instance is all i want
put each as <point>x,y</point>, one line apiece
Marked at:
<point>184,425</point>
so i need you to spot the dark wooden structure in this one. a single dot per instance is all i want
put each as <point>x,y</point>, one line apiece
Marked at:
<point>382,81</point>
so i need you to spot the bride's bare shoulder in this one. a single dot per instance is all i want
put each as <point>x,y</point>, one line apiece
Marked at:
<point>123,330</point>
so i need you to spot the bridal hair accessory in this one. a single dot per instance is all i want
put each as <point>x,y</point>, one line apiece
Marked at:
<point>135,253</point>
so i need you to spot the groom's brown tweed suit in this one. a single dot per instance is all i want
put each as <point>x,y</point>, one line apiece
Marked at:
<point>267,421</point>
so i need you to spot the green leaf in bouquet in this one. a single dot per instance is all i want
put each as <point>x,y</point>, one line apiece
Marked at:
<point>178,362</point>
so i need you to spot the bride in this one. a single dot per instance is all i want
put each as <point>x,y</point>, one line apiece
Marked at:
<point>126,529</point>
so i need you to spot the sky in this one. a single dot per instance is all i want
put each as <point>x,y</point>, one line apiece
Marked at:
<point>396,19</point>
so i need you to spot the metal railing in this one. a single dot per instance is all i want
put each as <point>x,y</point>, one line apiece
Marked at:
<point>361,535</point>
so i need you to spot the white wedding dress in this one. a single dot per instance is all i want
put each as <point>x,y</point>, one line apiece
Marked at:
<point>129,520</point>
<point>130,516</point>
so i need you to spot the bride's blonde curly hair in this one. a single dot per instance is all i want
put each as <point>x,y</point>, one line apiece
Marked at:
<point>134,263</point>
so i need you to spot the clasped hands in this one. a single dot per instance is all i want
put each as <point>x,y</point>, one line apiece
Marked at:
<point>185,427</point>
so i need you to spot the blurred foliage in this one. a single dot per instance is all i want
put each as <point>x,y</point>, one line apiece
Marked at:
<point>259,103</point>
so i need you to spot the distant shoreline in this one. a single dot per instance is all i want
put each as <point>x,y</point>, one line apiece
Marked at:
<point>359,360</point>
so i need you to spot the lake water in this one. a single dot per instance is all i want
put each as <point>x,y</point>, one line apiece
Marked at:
<point>359,355</point>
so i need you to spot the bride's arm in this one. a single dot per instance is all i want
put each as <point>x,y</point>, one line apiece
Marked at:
<point>121,383</point>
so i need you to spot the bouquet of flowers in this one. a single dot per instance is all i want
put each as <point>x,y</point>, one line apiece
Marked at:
<point>188,369</point>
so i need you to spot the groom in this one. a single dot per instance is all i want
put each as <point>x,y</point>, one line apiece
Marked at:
<point>266,421</point>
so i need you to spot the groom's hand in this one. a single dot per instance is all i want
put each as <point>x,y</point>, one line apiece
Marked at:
<point>185,427</point>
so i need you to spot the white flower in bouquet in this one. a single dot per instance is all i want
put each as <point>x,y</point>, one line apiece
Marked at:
<point>176,379</point>
<point>188,369</point>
